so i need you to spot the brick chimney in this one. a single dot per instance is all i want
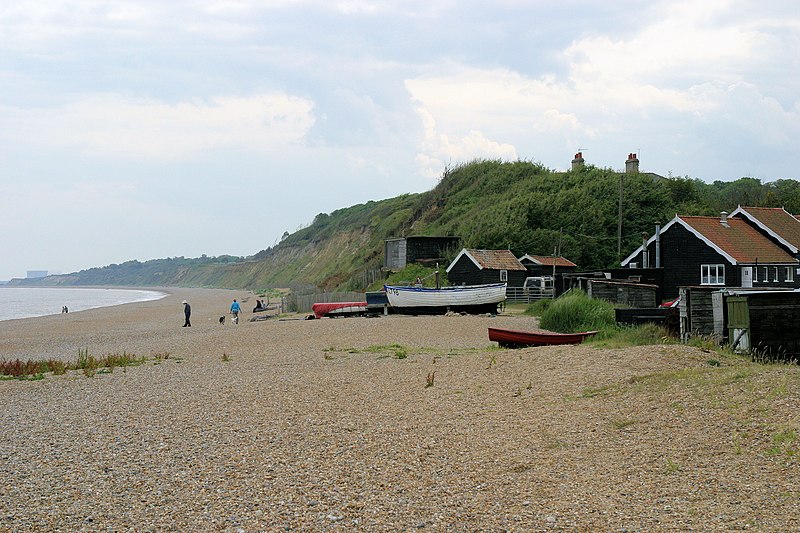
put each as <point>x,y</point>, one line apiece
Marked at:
<point>632,164</point>
<point>577,162</point>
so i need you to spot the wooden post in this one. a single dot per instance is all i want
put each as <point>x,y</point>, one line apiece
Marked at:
<point>619,222</point>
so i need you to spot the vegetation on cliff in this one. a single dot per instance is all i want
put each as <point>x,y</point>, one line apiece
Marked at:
<point>519,205</point>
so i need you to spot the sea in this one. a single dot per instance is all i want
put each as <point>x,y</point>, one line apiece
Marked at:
<point>26,302</point>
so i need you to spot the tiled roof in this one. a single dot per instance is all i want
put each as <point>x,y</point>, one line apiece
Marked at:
<point>784,224</point>
<point>739,240</point>
<point>548,260</point>
<point>496,259</point>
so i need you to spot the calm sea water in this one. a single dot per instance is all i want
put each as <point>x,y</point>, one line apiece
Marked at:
<point>24,302</point>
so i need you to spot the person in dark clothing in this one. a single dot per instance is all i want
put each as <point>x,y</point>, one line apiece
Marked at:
<point>187,311</point>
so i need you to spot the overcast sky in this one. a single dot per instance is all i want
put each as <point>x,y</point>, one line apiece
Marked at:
<point>141,130</point>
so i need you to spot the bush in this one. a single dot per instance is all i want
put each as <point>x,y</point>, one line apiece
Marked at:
<point>574,311</point>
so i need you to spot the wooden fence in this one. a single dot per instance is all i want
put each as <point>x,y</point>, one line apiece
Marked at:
<point>301,303</point>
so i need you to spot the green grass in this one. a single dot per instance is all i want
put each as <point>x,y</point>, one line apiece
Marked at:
<point>538,307</point>
<point>574,311</point>
<point>624,336</point>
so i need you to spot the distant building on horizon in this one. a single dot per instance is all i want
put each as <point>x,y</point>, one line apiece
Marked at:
<point>32,274</point>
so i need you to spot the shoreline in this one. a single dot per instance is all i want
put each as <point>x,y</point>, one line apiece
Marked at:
<point>136,327</point>
<point>159,294</point>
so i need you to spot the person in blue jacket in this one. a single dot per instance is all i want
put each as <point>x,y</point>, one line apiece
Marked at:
<point>235,310</point>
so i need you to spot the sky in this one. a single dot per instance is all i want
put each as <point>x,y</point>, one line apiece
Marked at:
<point>151,129</point>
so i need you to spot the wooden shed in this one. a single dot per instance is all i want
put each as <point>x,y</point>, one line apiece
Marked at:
<point>476,267</point>
<point>701,312</point>
<point>619,292</point>
<point>399,252</point>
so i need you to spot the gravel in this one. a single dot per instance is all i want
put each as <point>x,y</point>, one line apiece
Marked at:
<point>328,425</point>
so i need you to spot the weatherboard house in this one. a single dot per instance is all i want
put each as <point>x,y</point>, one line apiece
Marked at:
<point>717,251</point>
<point>476,267</point>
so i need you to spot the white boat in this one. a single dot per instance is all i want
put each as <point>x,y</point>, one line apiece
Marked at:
<point>469,298</point>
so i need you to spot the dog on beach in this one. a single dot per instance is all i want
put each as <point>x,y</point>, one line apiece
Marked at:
<point>222,320</point>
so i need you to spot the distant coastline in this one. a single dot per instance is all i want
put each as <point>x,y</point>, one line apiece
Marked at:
<point>30,302</point>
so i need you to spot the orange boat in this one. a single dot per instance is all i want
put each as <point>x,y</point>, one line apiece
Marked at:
<point>509,338</point>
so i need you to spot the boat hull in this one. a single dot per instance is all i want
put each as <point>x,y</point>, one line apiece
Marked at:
<point>509,338</point>
<point>335,309</point>
<point>468,298</point>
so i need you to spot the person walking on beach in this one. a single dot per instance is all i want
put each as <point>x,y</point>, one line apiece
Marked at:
<point>187,311</point>
<point>235,310</point>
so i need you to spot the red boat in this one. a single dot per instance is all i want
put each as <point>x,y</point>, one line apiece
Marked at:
<point>509,338</point>
<point>334,309</point>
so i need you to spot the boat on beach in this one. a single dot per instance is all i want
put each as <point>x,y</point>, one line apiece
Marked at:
<point>462,298</point>
<point>509,338</point>
<point>337,309</point>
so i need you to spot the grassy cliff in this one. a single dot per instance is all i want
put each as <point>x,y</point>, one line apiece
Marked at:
<point>518,205</point>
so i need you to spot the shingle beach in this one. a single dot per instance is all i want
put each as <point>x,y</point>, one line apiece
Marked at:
<point>328,425</point>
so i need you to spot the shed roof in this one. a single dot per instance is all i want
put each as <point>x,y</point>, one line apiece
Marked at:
<point>739,240</point>
<point>548,260</point>
<point>490,259</point>
<point>775,221</point>
<point>736,240</point>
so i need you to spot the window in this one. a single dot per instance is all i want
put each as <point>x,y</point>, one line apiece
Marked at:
<point>755,274</point>
<point>504,275</point>
<point>712,274</point>
<point>775,274</point>
<point>789,274</point>
<point>765,277</point>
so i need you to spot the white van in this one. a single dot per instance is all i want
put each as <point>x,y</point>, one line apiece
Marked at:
<point>538,286</point>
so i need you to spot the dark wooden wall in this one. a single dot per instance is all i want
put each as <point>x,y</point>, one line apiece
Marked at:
<point>773,324</point>
<point>681,256</point>
<point>429,248</point>
<point>465,272</point>
<point>631,294</point>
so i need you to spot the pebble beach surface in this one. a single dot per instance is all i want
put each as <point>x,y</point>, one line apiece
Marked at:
<point>330,425</point>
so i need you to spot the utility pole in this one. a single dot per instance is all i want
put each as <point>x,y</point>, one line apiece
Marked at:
<point>619,221</point>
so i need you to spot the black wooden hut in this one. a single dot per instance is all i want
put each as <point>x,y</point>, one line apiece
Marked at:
<point>476,267</point>
<point>401,251</point>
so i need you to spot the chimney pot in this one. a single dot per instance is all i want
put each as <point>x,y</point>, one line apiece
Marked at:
<point>632,164</point>
<point>577,162</point>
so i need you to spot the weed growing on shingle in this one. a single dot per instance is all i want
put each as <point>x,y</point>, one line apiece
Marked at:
<point>429,380</point>
<point>622,423</point>
<point>671,467</point>
<point>86,362</point>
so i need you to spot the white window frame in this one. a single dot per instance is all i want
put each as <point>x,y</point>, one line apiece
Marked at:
<point>775,274</point>
<point>766,274</point>
<point>503,275</point>
<point>712,274</point>
<point>789,272</point>
<point>755,274</point>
